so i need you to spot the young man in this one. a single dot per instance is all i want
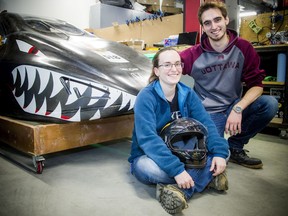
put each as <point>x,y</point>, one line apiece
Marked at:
<point>220,65</point>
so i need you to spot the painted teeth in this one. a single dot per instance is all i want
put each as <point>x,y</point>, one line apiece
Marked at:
<point>114,95</point>
<point>30,75</point>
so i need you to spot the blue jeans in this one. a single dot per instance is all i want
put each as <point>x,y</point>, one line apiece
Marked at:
<point>148,172</point>
<point>254,118</point>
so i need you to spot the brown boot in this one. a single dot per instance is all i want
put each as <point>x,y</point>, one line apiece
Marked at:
<point>172,199</point>
<point>219,182</point>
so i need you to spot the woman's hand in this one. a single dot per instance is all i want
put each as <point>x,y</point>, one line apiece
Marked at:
<point>184,180</point>
<point>218,165</point>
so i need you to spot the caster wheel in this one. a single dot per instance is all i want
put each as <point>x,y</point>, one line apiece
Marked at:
<point>39,167</point>
<point>284,134</point>
<point>38,162</point>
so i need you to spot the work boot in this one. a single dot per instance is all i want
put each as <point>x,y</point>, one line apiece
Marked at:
<point>240,157</point>
<point>219,182</point>
<point>172,199</point>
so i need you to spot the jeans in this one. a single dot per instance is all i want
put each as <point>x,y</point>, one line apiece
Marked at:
<point>148,172</point>
<point>254,118</point>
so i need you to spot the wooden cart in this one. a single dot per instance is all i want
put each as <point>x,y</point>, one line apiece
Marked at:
<point>38,138</point>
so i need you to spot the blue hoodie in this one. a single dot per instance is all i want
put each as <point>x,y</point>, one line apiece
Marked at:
<point>152,112</point>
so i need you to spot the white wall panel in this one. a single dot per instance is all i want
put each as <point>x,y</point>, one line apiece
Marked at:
<point>75,12</point>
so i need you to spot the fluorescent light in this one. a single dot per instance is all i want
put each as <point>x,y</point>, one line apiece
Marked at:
<point>247,13</point>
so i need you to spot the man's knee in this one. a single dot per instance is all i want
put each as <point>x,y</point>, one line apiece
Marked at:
<point>270,104</point>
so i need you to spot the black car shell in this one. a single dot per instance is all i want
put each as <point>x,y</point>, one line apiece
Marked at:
<point>52,71</point>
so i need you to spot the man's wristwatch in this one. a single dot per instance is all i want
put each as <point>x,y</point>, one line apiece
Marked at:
<point>238,109</point>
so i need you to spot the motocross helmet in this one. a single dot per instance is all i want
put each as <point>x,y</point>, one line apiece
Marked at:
<point>186,138</point>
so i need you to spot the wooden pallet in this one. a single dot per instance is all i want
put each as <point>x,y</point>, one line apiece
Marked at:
<point>38,138</point>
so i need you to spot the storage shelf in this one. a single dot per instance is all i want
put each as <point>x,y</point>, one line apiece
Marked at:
<point>272,48</point>
<point>277,121</point>
<point>268,55</point>
<point>273,83</point>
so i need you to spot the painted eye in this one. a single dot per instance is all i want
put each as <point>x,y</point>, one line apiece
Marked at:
<point>27,48</point>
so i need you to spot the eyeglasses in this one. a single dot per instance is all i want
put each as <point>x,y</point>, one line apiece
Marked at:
<point>168,66</point>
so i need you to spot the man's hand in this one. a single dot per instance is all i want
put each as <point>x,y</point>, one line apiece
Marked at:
<point>218,165</point>
<point>233,123</point>
<point>184,180</point>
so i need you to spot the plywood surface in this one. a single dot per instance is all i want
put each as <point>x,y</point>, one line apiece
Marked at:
<point>263,21</point>
<point>42,138</point>
<point>151,31</point>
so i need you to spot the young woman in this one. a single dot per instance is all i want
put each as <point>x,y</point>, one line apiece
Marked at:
<point>152,162</point>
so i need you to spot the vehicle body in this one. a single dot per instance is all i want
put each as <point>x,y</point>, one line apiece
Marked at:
<point>52,71</point>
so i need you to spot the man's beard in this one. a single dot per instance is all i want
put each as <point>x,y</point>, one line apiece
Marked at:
<point>217,39</point>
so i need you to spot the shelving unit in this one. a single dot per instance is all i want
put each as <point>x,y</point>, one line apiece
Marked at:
<point>268,55</point>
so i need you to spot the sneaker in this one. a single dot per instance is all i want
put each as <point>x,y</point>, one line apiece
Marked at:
<point>219,182</point>
<point>240,157</point>
<point>172,199</point>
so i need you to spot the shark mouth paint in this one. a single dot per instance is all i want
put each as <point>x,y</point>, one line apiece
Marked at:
<point>48,93</point>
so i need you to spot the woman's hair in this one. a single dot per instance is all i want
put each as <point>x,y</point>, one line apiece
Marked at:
<point>155,63</point>
<point>212,5</point>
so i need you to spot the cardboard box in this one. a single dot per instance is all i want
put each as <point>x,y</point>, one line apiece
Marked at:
<point>172,40</point>
<point>138,45</point>
<point>170,3</point>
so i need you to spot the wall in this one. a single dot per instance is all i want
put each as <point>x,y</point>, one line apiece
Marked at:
<point>75,12</point>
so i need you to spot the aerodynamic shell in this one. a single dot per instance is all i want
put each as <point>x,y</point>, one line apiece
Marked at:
<point>52,71</point>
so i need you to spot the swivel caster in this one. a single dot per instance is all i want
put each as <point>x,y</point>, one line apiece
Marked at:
<point>38,162</point>
<point>283,134</point>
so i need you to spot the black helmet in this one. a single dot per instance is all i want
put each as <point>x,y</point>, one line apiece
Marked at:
<point>186,138</point>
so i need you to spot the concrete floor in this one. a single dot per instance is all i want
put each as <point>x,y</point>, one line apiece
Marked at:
<point>96,181</point>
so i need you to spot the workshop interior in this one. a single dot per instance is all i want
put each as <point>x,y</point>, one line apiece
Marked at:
<point>70,73</point>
